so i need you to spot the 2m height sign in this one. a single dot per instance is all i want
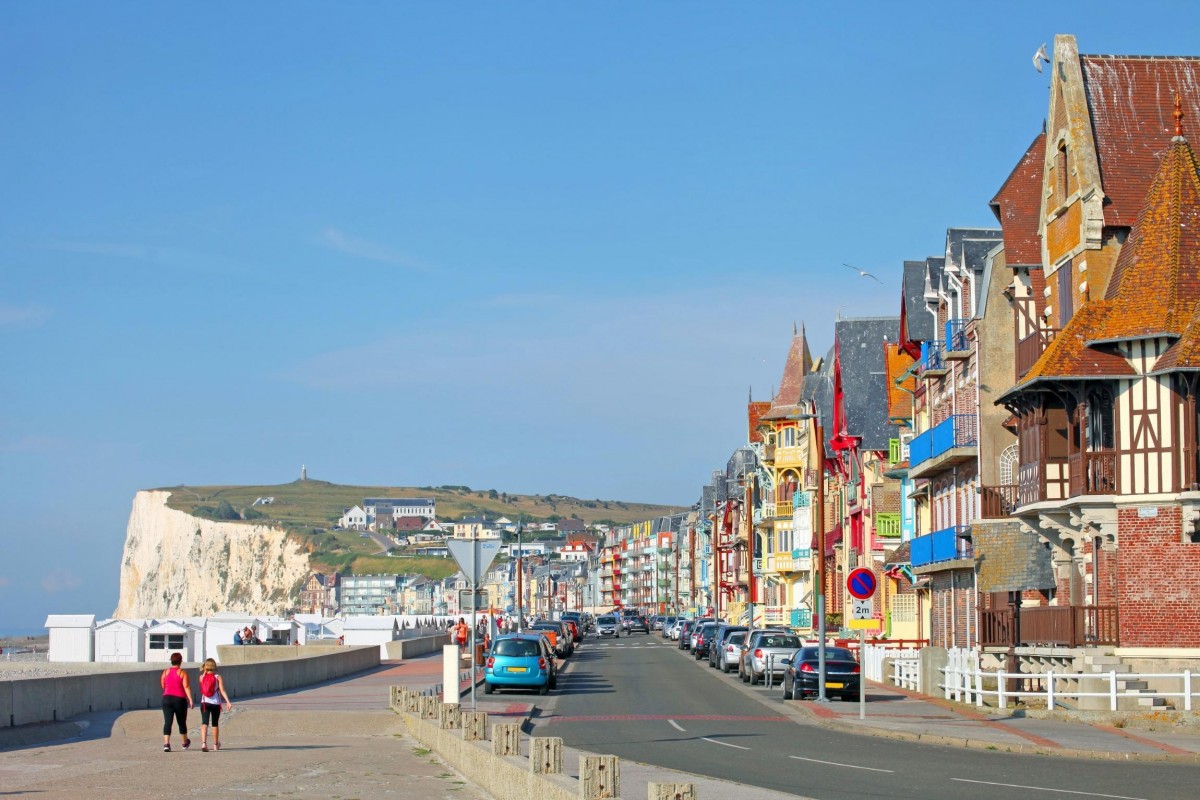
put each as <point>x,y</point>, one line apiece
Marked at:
<point>861,584</point>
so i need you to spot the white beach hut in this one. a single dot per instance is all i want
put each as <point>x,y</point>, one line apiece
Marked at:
<point>171,636</point>
<point>71,637</point>
<point>121,641</point>
<point>371,630</point>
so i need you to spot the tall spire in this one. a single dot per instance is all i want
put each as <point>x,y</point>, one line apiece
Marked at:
<point>1178,115</point>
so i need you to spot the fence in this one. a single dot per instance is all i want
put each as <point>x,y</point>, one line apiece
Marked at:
<point>873,655</point>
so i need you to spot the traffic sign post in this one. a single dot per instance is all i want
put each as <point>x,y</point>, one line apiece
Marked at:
<point>473,557</point>
<point>861,583</point>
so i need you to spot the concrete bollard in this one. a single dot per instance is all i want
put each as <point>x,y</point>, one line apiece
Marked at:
<point>599,777</point>
<point>412,702</point>
<point>429,707</point>
<point>545,755</point>
<point>671,791</point>
<point>449,716</point>
<point>506,739</point>
<point>397,699</point>
<point>474,725</point>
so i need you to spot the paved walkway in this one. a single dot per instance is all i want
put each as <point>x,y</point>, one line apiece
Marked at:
<point>897,713</point>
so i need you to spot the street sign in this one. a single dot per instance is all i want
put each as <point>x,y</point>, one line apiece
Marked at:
<point>473,566</point>
<point>465,603</point>
<point>862,614</point>
<point>861,583</point>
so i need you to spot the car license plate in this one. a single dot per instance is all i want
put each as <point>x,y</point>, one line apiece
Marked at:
<point>526,669</point>
<point>835,686</point>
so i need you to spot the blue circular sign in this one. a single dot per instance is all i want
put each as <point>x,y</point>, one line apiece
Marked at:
<point>861,583</point>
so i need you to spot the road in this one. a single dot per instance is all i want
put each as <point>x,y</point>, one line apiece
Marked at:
<point>642,699</point>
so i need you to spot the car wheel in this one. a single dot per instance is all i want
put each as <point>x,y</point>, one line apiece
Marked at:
<point>544,689</point>
<point>554,682</point>
<point>488,688</point>
<point>848,698</point>
<point>789,693</point>
<point>725,668</point>
<point>755,678</point>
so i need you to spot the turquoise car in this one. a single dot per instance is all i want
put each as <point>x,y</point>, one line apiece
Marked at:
<point>520,661</point>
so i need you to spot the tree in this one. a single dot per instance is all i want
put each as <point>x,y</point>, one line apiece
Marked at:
<point>225,511</point>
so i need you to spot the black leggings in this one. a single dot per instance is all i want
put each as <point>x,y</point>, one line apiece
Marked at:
<point>210,710</point>
<point>174,707</point>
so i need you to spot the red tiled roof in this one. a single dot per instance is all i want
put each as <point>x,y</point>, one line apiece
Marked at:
<point>799,362</point>
<point>1184,355</point>
<point>1018,205</point>
<point>1130,99</point>
<point>1156,283</point>
<point>1068,356</point>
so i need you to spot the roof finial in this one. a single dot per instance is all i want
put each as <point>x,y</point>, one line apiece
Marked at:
<point>794,328</point>
<point>1178,114</point>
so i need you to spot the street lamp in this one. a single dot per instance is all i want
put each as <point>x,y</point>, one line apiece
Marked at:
<point>819,571</point>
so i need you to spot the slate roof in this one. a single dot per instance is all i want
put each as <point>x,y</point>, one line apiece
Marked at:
<point>922,325</point>
<point>817,389</point>
<point>864,378</point>
<point>967,248</point>
<point>1129,98</point>
<point>1018,206</point>
<point>796,367</point>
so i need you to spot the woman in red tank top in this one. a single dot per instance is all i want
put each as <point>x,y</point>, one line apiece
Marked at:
<point>177,699</point>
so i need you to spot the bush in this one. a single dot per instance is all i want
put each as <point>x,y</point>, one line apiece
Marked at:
<point>250,513</point>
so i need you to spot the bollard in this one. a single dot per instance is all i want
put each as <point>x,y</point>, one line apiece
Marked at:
<point>545,755</point>
<point>671,791</point>
<point>474,725</point>
<point>599,777</point>
<point>448,716</point>
<point>506,739</point>
<point>412,702</point>
<point>397,699</point>
<point>429,707</point>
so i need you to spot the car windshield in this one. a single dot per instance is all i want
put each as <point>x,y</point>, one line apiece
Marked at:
<point>608,620</point>
<point>736,638</point>
<point>515,648</point>
<point>831,654</point>
<point>780,640</point>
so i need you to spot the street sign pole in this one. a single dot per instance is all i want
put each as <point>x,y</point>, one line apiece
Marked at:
<point>862,674</point>
<point>474,569</point>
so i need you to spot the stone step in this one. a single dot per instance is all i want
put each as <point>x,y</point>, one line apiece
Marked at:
<point>1097,660</point>
<point>1102,669</point>
<point>1133,686</point>
<point>1152,702</point>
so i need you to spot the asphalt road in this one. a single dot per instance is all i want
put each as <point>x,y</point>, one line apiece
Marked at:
<point>641,699</point>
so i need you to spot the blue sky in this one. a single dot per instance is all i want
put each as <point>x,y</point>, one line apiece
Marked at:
<point>535,247</point>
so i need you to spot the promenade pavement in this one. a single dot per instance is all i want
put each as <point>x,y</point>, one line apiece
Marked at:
<point>339,739</point>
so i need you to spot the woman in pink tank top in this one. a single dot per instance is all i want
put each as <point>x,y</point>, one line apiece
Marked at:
<point>177,699</point>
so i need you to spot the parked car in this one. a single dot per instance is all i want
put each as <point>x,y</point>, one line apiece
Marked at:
<point>684,634</point>
<point>664,625</point>
<point>702,639</point>
<point>673,631</point>
<point>560,640</point>
<point>520,660</point>
<point>718,641</point>
<point>842,674</point>
<point>576,631</point>
<point>608,626</point>
<point>696,629</point>
<point>638,625</point>
<point>766,649</point>
<point>729,653</point>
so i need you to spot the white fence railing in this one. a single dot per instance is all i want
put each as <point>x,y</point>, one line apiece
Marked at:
<point>872,658</point>
<point>967,686</point>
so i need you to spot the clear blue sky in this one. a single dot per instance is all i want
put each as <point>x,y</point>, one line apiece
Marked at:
<point>531,247</point>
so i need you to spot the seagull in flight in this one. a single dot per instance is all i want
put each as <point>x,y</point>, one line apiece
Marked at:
<point>863,273</point>
<point>1039,57</point>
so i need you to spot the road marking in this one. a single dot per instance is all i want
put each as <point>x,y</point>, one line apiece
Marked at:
<point>1046,789</point>
<point>727,744</point>
<point>836,764</point>
<point>675,725</point>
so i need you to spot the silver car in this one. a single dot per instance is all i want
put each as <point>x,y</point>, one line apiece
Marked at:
<point>731,651</point>
<point>766,650</point>
<point>608,626</point>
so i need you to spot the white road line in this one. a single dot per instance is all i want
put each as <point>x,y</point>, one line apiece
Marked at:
<point>675,725</point>
<point>836,764</point>
<point>727,744</point>
<point>1047,789</point>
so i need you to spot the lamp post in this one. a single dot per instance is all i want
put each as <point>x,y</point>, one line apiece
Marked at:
<point>819,564</point>
<point>520,582</point>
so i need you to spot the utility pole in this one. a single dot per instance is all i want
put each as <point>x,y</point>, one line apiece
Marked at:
<point>520,582</point>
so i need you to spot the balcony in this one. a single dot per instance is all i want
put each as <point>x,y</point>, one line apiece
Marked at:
<point>932,363</point>
<point>951,442</point>
<point>1092,472</point>
<point>783,510</point>
<point>801,618</point>
<point>788,456</point>
<point>809,478</point>
<point>887,525</point>
<point>1066,626</point>
<point>998,502</point>
<point>1030,349</point>
<point>894,451</point>
<point>957,345</point>
<point>948,544</point>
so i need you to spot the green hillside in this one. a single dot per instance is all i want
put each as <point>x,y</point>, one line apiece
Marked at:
<point>311,508</point>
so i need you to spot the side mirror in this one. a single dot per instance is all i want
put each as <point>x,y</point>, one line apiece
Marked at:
<point>787,662</point>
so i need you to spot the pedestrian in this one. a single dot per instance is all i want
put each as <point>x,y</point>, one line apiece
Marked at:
<point>177,699</point>
<point>462,632</point>
<point>212,689</point>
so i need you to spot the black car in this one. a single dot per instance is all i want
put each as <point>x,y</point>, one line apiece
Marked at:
<point>685,634</point>
<point>842,674</point>
<point>704,636</point>
<point>638,625</point>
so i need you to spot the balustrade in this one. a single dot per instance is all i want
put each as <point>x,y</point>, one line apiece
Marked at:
<point>998,502</point>
<point>1092,472</point>
<point>1066,626</point>
<point>1030,349</point>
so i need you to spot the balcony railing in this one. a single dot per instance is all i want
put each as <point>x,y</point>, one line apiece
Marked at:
<point>932,358</point>
<point>1030,349</point>
<point>1092,472</point>
<point>997,502</point>
<point>887,525</point>
<point>810,478</point>
<point>801,618</point>
<point>894,450</point>
<point>948,544</point>
<point>1067,626</point>
<point>783,509</point>
<point>956,337</point>
<point>958,430</point>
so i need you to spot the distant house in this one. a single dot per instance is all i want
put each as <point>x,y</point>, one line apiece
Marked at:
<point>576,550</point>
<point>571,525</point>
<point>382,511</point>
<point>469,527</point>
<point>319,594</point>
<point>353,519</point>
<point>71,637</point>
<point>121,641</point>
<point>404,524</point>
<point>172,636</point>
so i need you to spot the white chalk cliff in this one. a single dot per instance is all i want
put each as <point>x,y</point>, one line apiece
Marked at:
<point>176,565</point>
